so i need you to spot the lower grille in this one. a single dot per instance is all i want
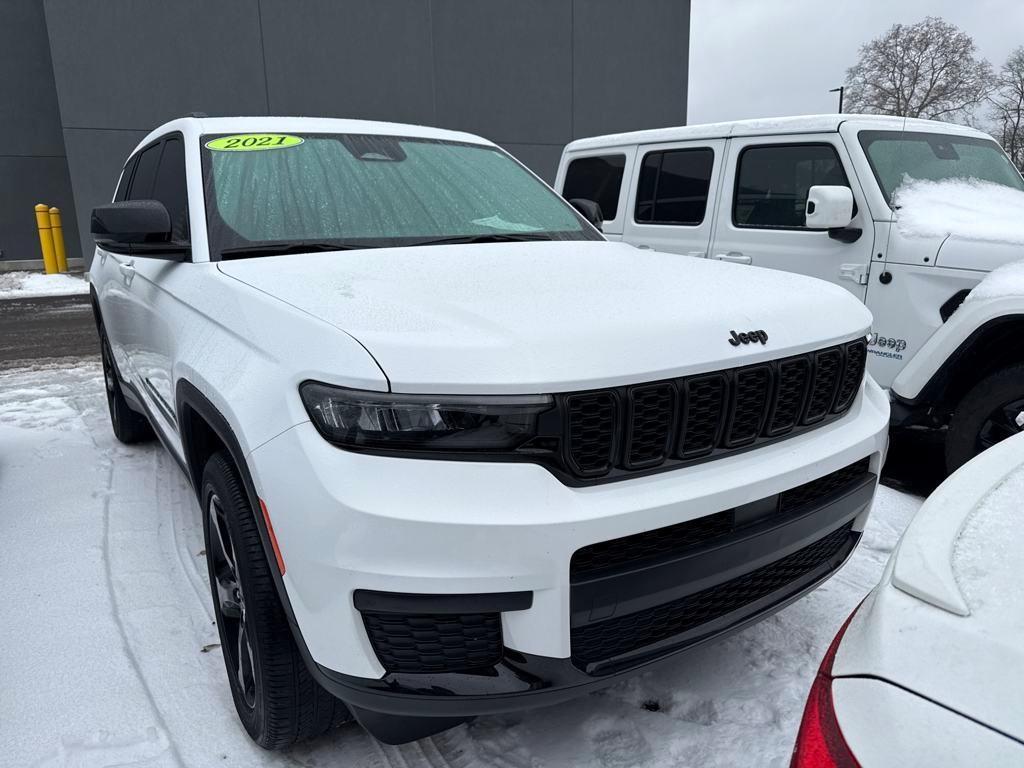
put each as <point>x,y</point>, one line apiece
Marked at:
<point>435,642</point>
<point>607,639</point>
<point>816,490</point>
<point>675,540</point>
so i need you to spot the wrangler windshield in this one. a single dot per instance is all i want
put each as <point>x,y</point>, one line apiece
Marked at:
<point>897,157</point>
<point>276,193</point>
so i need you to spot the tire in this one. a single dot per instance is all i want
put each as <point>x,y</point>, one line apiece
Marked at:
<point>277,700</point>
<point>129,427</point>
<point>986,415</point>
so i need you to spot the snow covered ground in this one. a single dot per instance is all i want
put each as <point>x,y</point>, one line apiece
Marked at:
<point>107,655</point>
<point>23,285</point>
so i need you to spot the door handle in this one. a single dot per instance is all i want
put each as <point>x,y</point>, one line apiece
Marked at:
<point>732,256</point>
<point>127,271</point>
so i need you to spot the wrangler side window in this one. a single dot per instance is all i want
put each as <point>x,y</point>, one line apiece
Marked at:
<point>772,183</point>
<point>598,179</point>
<point>673,186</point>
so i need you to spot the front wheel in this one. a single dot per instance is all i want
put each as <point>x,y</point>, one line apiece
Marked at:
<point>989,413</point>
<point>277,700</point>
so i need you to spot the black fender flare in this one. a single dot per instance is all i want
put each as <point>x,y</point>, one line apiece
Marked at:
<point>189,397</point>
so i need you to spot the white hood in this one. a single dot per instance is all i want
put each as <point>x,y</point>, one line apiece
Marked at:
<point>552,316</point>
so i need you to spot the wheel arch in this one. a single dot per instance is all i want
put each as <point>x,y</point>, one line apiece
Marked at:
<point>992,346</point>
<point>204,430</point>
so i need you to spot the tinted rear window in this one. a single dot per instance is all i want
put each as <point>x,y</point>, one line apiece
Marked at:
<point>598,179</point>
<point>673,186</point>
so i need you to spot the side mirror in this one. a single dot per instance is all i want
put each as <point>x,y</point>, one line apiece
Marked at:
<point>140,227</point>
<point>590,211</point>
<point>828,207</point>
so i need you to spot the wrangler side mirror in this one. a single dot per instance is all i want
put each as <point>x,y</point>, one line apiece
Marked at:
<point>828,207</point>
<point>590,211</point>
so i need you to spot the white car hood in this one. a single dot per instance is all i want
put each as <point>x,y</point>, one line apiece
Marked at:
<point>961,252</point>
<point>552,316</point>
<point>949,623</point>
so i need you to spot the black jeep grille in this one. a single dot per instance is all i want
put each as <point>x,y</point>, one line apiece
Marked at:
<point>614,432</point>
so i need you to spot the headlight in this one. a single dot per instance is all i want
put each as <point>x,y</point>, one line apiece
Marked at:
<point>448,423</point>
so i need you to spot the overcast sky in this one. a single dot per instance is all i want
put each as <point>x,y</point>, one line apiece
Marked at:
<point>762,58</point>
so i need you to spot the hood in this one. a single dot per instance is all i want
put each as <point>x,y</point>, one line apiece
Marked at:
<point>948,625</point>
<point>552,316</point>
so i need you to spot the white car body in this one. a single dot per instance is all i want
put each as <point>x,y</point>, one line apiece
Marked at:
<point>930,668</point>
<point>923,349</point>
<point>231,341</point>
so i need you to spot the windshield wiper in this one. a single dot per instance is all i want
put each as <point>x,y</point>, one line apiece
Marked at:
<point>281,249</point>
<point>495,238</point>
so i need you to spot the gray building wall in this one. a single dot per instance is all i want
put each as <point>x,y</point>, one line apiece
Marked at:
<point>33,168</point>
<point>529,74</point>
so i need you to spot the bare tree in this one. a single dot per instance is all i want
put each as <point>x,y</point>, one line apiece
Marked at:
<point>928,69</point>
<point>1007,107</point>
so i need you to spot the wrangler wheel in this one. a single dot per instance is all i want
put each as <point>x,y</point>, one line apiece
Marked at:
<point>989,413</point>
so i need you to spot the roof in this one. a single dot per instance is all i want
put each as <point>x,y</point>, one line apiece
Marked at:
<point>766,126</point>
<point>197,126</point>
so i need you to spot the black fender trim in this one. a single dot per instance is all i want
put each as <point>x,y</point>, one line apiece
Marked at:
<point>936,391</point>
<point>187,396</point>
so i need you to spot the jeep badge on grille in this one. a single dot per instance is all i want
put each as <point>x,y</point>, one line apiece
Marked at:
<point>750,337</point>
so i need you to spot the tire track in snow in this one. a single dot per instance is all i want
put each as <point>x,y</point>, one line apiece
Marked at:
<point>126,642</point>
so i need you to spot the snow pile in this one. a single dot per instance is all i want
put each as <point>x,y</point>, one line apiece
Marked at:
<point>19,285</point>
<point>1007,280</point>
<point>977,210</point>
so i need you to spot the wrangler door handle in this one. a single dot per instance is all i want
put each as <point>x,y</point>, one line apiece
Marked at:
<point>732,256</point>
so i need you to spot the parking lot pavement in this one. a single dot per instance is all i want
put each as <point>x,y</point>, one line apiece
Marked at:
<point>108,652</point>
<point>45,327</point>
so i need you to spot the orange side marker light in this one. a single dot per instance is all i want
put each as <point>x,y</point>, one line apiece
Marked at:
<point>273,537</point>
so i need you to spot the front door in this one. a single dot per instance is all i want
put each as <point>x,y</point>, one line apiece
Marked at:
<point>761,214</point>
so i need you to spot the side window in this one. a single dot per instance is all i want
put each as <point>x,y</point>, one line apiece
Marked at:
<point>772,183</point>
<point>598,179</point>
<point>145,173</point>
<point>169,187</point>
<point>126,177</point>
<point>673,186</point>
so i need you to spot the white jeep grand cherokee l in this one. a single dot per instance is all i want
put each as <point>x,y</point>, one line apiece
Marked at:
<point>457,454</point>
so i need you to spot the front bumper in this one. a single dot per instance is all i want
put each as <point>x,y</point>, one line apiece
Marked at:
<point>347,522</point>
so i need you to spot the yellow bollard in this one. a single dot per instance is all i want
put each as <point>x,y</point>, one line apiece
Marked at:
<point>57,233</point>
<point>46,238</point>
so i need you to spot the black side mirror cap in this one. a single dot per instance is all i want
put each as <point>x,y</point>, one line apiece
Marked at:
<point>140,227</point>
<point>590,211</point>
<point>131,221</point>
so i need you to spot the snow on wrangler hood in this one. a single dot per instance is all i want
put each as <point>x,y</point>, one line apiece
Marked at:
<point>968,208</point>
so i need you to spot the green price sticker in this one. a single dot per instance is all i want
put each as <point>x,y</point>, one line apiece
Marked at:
<point>250,142</point>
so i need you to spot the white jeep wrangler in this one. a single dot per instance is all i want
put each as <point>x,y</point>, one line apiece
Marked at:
<point>455,453</point>
<point>814,195</point>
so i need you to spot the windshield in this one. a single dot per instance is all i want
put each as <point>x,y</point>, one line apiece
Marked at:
<point>364,191</point>
<point>897,157</point>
